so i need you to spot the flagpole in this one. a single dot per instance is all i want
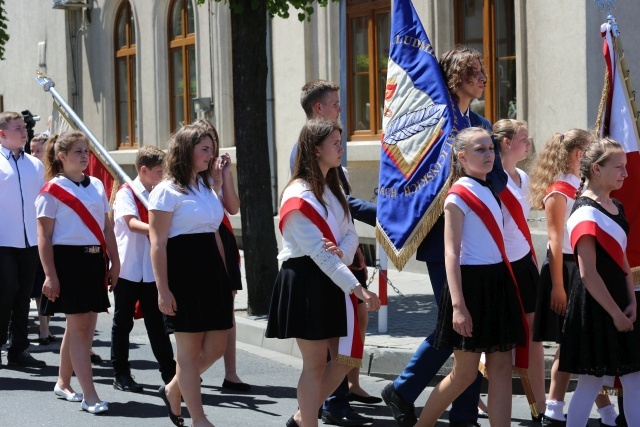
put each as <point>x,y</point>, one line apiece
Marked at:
<point>49,86</point>
<point>382,291</point>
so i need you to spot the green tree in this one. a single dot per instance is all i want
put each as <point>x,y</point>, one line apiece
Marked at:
<point>4,36</point>
<point>249,51</point>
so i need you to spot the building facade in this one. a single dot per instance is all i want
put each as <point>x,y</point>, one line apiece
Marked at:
<point>132,68</point>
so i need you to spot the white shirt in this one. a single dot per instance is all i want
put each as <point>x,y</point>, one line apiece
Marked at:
<point>477,246</point>
<point>134,249</point>
<point>575,181</point>
<point>515,243</point>
<point>198,211</point>
<point>20,183</point>
<point>68,228</point>
<point>301,237</point>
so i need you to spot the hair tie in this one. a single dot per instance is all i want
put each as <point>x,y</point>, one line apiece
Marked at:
<point>562,137</point>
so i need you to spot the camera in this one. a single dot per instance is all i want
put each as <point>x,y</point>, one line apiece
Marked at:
<point>30,122</point>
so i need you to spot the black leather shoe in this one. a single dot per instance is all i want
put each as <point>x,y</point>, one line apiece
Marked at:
<point>25,359</point>
<point>621,421</point>
<point>550,422</point>
<point>291,423</point>
<point>403,412</point>
<point>369,400</point>
<point>351,419</point>
<point>236,386</point>
<point>125,382</point>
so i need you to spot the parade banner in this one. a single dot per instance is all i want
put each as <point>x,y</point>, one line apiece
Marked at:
<point>420,121</point>
<point>617,119</point>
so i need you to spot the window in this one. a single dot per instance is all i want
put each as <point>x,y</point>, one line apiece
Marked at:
<point>182,62</point>
<point>125,61</point>
<point>368,29</point>
<point>489,26</point>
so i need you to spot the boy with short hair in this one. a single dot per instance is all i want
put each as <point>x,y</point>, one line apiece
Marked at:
<point>21,178</point>
<point>136,282</point>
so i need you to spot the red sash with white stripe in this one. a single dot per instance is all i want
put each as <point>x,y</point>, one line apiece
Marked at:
<point>587,220</point>
<point>350,347</point>
<point>515,210</point>
<point>563,187</point>
<point>81,210</point>
<point>484,213</point>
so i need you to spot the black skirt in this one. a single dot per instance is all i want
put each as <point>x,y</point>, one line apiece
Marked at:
<point>199,283</point>
<point>491,298</point>
<point>547,325</point>
<point>306,303</point>
<point>527,275</point>
<point>232,257</point>
<point>82,282</point>
<point>591,344</point>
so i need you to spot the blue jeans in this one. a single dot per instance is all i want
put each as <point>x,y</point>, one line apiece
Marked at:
<point>427,360</point>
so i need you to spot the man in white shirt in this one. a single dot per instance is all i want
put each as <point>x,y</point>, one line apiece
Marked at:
<point>21,178</point>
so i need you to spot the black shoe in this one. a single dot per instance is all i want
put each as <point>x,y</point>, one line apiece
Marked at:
<point>125,382</point>
<point>369,400</point>
<point>403,412</point>
<point>291,423</point>
<point>96,359</point>
<point>550,422</point>
<point>236,386</point>
<point>175,419</point>
<point>621,421</point>
<point>25,359</point>
<point>537,419</point>
<point>464,424</point>
<point>351,419</point>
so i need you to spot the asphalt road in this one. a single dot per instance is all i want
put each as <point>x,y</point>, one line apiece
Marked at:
<point>27,399</point>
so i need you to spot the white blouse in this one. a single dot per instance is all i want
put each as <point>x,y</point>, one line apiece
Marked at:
<point>198,211</point>
<point>68,228</point>
<point>515,243</point>
<point>301,237</point>
<point>574,181</point>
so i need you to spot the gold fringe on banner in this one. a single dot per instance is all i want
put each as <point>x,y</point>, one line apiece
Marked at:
<point>353,362</point>
<point>603,102</point>
<point>400,257</point>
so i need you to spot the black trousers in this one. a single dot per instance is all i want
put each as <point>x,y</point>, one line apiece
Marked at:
<point>126,294</point>
<point>17,271</point>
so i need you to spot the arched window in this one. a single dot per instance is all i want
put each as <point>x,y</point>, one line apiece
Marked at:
<point>182,61</point>
<point>125,61</point>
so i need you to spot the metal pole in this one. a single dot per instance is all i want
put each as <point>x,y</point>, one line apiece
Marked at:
<point>48,86</point>
<point>382,291</point>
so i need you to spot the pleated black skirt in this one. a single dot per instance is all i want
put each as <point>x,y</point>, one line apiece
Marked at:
<point>232,257</point>
<point>305,303</point>
<point>491,298</point>
<point>199,283</point>
<point>82,287</point>
<point>528,278</point>
<point>547,325</point>
<point>590,343</point>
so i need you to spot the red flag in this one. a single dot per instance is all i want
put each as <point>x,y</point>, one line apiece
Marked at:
<point>98,170</point>
<point>617,119</point>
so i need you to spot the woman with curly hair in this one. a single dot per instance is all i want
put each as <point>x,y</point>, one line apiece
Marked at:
<point>554,187</point>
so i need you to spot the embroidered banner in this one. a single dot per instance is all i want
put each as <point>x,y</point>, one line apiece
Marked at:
<point>420,120</point>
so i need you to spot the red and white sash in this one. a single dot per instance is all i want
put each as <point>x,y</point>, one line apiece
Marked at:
<point>515,210</point>
<point>563,187</point>
<point>299,198</point>
<point>81,210</point>
<point>587,220</point>
<point>489,220</point>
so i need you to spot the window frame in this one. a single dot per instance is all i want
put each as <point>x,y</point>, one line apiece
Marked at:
<point>128,52</point>
<point>182,42</point>
<point>370,9</point>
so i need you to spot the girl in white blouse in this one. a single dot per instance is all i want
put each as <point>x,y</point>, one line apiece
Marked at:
<point>319,242</point>
<point>193,286</point>
<point>72,240</point>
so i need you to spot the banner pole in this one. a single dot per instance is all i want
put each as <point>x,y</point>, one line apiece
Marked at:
<point>382,290</point>
<point>49,86</point>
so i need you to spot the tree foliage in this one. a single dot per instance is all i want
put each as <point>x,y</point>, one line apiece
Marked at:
<point>4,36</point>
<point>278,8</point>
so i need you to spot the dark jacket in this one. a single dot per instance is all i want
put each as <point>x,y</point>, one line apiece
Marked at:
<point>432,247</point>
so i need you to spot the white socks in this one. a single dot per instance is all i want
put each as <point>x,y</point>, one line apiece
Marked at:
<point>608,415</point>
<point>555,410</point>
